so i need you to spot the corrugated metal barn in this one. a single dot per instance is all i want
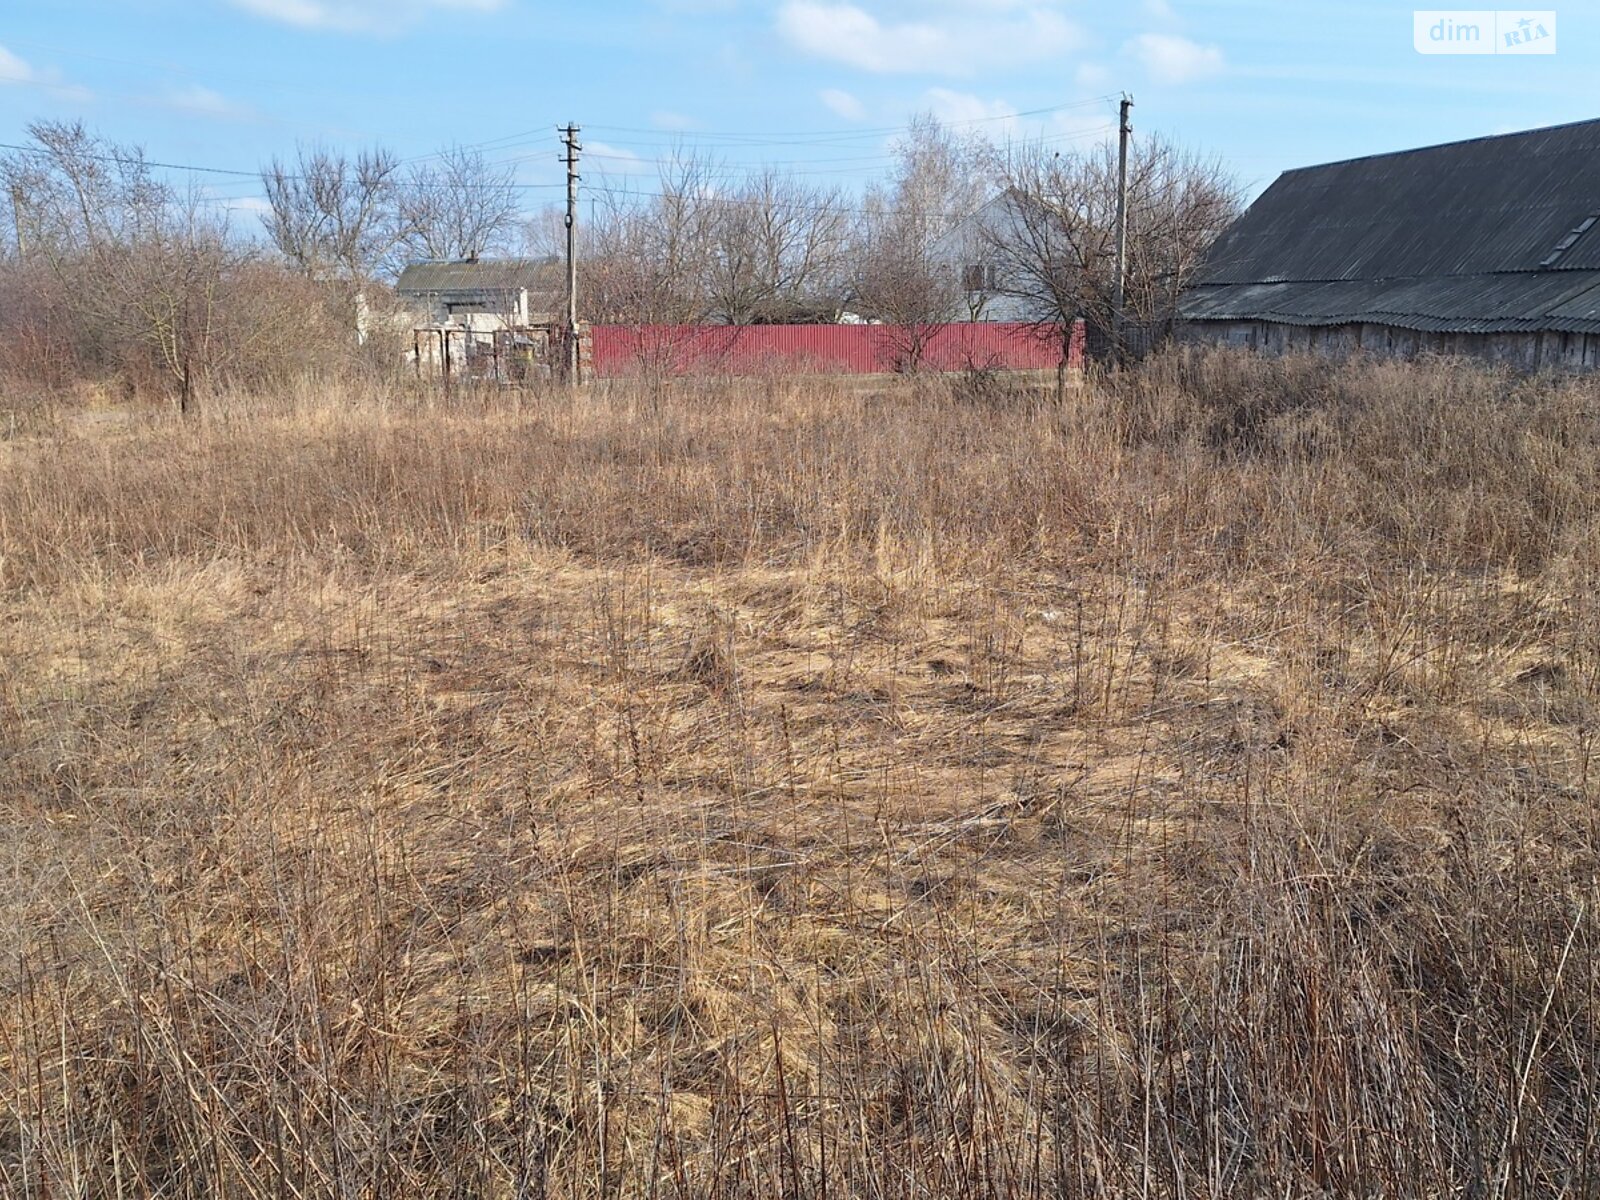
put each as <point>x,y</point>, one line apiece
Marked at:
<point>1488,248</point>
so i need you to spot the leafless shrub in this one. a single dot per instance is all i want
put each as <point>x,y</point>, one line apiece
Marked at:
<point>131,271</point>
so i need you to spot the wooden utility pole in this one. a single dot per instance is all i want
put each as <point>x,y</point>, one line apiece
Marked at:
<point>1120,284</point>
<point>574,356</point>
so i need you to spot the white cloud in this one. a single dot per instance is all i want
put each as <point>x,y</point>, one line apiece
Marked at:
<point>962,108</point>
<point>1090,76</point>
<point>842,104</point>
<point>203,102</point>
<point>1173,59</point>
<point>932,38</point>
<point>16,71</point>
<point>360,16</point>
<point>615,160</point>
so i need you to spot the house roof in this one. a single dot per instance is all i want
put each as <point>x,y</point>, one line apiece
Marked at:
<point>481,275</point>
<point>1495,234</point>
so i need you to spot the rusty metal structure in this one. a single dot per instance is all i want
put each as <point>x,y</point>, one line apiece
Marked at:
<point>512,355</point>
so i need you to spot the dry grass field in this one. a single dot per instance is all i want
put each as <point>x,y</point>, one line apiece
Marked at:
<point>776,789</point>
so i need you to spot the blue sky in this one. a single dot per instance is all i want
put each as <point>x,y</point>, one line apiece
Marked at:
<point>815,85</point>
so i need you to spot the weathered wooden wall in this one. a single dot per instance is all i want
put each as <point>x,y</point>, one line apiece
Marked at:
<point>1531,351</point>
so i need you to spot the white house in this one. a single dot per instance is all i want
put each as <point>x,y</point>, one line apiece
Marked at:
<point>481,318</point>
<point>483,295</point>
<point>967,250</point>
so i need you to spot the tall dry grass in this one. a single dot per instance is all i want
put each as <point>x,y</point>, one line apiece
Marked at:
<point>789,789</point>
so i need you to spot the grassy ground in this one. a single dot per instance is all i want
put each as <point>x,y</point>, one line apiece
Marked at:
<point>778,790</point>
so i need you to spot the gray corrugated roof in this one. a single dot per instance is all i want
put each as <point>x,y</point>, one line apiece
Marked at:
<point>1446,237</point>
<point>1488,303</point>
<point>426,278</point>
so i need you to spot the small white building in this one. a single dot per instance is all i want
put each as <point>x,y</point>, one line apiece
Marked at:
<point>483,318</point>
<point>483,295</point>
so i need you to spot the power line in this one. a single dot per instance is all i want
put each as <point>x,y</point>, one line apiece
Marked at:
<point>723,166</point>
<point>757,138</point>
<point>507,142</point>
<point>718,169</point>
<point>133,160</point>
<point>771,202</point>
<point>192,168</point>
<point>792,138</point>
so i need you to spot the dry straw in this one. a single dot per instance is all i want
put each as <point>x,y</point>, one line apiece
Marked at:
<point>781,788</point>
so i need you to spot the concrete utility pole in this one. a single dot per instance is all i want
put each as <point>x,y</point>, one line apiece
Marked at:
<point>569,138</point>
<point>1119,286</point>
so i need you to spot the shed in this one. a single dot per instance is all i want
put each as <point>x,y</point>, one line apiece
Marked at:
<point>1487,247</point>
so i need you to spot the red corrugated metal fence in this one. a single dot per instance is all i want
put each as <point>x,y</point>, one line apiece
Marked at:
<point>621,350</point>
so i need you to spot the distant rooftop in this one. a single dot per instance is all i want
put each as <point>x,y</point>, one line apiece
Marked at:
<point>484,274</point>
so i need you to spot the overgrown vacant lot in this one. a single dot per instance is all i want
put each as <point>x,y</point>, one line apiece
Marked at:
<point>781,789</point>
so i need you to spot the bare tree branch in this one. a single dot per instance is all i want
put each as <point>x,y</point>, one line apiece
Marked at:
<point>905,274</point>
<point>1054,246</point>
<point>334,217</point>
<point>458,206</point>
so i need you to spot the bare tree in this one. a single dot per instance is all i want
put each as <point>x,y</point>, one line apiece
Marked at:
<point>649,258</point>
<point>332,216</point>
<point>1184,203</point>
<point>74,191</point>
<point>779,251</point>
<point>908,268</point>
<point>1054,242</point>
<point>337,219</point>
<point>136,268</point>
<point>458,206</point>
<point>770,248</point>
<point>169,287</point>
